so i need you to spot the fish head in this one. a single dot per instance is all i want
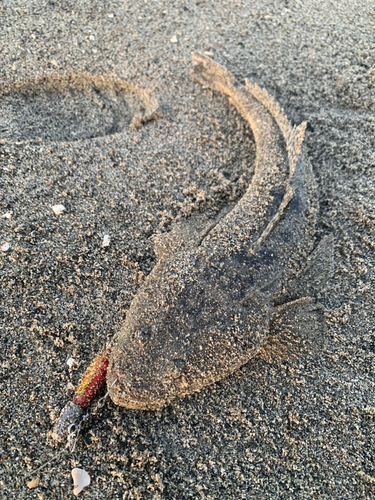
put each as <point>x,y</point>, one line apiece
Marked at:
<point>186,328</point>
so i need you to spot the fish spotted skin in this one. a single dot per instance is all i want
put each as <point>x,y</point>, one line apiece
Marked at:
<point>205,310</point>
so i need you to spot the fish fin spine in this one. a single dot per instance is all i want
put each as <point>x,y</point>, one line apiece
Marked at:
<point>289,192</point>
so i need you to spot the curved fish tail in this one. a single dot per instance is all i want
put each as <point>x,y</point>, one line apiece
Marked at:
<point>210,73</point>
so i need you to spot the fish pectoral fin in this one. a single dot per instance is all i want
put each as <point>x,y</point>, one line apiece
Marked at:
<point>275,350</point>
<point>314,275</point>
<point>297,328</point>
<point>320,265</point>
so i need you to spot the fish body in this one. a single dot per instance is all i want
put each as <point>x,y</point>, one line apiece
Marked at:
<point>205,309</point>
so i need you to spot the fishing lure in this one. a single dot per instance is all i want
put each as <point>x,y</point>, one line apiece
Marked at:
<point>205,308</point>
<point>90,384</point>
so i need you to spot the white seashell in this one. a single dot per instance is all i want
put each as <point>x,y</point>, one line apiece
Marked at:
<point>81,479</point>
<point>58,209</point>
<point>173,39</point>
<point>8,215</point>
<point>106,240</point>
<point>5,247</point>
<point>70,362</point>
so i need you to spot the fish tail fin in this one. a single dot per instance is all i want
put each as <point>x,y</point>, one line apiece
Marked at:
<point>293,135</point>
<point>211,74</point>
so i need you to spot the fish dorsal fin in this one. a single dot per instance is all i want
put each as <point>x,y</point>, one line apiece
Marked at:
<point>186,234</point>
<point>181,237</point>
<point>293,135</point>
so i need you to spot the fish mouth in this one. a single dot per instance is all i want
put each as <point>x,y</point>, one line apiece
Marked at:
<point>121,396</point>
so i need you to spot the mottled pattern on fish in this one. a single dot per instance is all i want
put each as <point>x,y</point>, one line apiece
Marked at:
<point>205,309</point>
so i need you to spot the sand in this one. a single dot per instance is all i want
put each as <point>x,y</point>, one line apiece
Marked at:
<point>302,428</point>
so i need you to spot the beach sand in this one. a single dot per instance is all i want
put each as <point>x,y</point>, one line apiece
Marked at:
<point>300,428</point>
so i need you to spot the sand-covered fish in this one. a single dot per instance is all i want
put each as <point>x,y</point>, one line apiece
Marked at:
<point>205,308</point>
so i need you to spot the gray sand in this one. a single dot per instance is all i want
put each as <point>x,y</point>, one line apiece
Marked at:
<point>298,428</point>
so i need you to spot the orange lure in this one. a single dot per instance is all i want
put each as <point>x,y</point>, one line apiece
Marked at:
<point>92,380</point>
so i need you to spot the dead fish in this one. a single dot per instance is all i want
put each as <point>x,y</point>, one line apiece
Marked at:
<point>205,308</point>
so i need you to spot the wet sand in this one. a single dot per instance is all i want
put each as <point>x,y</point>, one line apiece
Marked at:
<point>296,428</point>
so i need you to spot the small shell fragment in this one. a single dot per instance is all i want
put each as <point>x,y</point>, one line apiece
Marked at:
<point>70,386</point>
<point>5,247</point>
<point>173,39</point>
<point>81,479</point>
<point>58,209</point>
<point>33,483</point>
<point>70,362</point>
<point>106,240</point>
